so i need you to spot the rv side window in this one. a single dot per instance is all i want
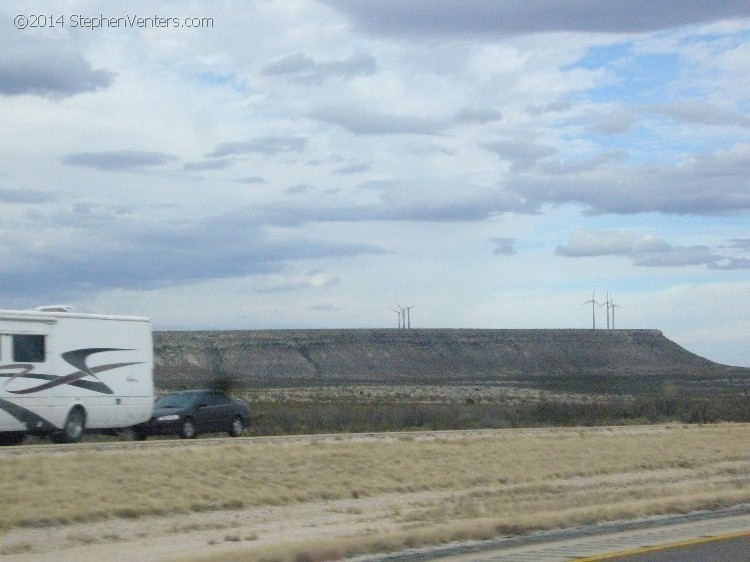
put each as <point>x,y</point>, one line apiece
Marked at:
<point>28,348</point>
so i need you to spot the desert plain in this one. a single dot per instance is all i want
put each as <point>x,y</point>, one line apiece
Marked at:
<point>328,497</point>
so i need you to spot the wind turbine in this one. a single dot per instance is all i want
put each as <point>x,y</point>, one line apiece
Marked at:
<point>408,316</point>
<point>609,305</point>
<point>593,310</point>
<point>613,306</point>
<point>399,312</point>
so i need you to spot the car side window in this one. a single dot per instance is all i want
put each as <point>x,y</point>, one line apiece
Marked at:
<point>217,399</point>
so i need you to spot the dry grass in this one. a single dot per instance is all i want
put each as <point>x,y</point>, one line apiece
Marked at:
<point>427,489</point>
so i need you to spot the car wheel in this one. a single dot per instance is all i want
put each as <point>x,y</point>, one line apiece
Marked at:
<point>237,428</point>
<point>132,434</point>
<point>73,428</point>
<point>188,429</point>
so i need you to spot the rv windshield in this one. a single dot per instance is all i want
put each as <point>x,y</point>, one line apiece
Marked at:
<point>177,400</point>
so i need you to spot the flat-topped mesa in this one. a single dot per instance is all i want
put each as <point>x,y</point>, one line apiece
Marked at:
<point>446,356</point>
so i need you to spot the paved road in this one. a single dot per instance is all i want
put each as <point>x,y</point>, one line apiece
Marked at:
<point>729,548</point>
<point>718,537</point>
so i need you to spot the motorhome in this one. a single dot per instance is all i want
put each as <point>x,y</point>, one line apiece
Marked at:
<point>63,372</point>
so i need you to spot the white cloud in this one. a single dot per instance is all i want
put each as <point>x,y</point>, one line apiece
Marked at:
<point>701,184</point>
<point>307,163</point>
<point>37,66</point>
<point>366,122</point>
<point>266,145</point>
<point>302,67</point>
<point>117,161</point>
<point>704,114</point>
<point>612,243</point>
<point>490,18</point>
<point>503,246</point>
<point>645,250</point>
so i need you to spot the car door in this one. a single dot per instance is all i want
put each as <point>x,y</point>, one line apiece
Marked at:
<point>203,413</point>
<point>225,411</point>
<point>216,412</point>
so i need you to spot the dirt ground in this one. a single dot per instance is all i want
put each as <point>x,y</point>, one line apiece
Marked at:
<point>182,537</point>
<point>282,532</point>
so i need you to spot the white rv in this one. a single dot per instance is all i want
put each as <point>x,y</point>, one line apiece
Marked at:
<point>62,372</point>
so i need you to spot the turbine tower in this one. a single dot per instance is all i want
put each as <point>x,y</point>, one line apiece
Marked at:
<point>593,309</point>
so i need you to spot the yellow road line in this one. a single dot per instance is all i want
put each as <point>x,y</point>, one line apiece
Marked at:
<point>667,546</point>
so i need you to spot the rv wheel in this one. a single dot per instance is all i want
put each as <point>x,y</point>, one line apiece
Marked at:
<point>73,428</point>
<point>188,429</point>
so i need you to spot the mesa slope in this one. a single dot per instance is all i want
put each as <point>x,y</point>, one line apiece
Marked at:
<point>564,359</point>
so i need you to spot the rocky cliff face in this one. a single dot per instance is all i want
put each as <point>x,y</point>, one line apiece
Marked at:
<point>258,358</point>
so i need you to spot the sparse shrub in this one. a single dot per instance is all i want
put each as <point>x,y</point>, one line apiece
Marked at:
<point>350,415</point>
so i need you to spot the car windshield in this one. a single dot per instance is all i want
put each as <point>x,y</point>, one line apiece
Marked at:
<point>177,400</point>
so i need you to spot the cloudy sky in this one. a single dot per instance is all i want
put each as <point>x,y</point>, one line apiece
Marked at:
<point>314,164</point>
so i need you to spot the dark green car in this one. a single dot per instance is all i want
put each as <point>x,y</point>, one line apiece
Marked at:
<point>188,413</point>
